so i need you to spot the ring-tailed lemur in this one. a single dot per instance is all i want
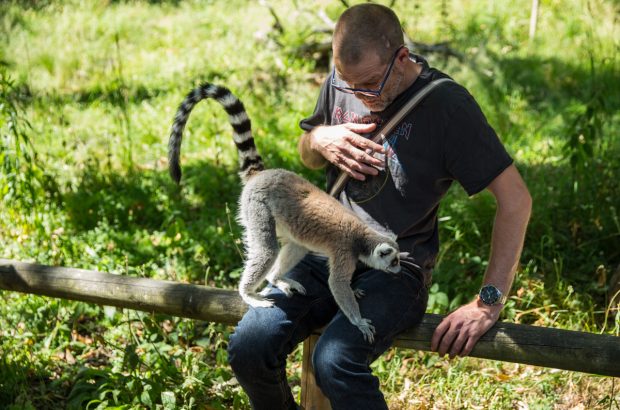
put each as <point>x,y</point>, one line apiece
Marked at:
<point>307,218</point>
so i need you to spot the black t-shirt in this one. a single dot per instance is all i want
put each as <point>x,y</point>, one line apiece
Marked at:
<point>445,138</point>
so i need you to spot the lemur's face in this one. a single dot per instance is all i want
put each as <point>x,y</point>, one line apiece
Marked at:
<point>385,257</point>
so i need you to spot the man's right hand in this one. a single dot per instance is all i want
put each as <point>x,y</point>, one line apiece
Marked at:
<point>344,147</point>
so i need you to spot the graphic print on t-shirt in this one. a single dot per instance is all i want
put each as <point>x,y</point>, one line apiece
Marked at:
<point>362,191</point>
<point>399,176</point>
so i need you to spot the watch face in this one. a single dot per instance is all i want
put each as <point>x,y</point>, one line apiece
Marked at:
<point>489,294</point>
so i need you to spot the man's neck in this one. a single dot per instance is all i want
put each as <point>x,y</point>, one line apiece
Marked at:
<point>412,72</point>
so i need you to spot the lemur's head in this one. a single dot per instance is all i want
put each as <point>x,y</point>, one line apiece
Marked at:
<point>385,257</point>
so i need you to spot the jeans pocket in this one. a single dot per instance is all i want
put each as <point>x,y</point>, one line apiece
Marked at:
<point>412,312</point>
<point>417,284</point>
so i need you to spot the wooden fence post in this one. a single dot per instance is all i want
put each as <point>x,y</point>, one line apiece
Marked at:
<point>312,397</point>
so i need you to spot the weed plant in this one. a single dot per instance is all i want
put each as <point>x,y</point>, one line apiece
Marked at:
<point>88,89</point>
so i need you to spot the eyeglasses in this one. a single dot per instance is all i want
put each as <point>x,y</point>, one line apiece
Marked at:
<point>366,91</point>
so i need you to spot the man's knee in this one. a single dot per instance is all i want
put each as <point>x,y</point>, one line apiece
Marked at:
<point>244,350</point>
<point>322,361</point>
<point>342,371</point>
<point>252,348</point>
<point>239,352</point>
<point>333,362</point>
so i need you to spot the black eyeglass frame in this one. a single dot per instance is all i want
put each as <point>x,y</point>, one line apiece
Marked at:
<point>366,91</point>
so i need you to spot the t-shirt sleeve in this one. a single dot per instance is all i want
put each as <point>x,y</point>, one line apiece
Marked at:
<point>474,155</point>
<point>321,115</point>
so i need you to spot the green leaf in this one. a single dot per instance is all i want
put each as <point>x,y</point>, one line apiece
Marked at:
<point>145,397</point>
<point>168,400</point>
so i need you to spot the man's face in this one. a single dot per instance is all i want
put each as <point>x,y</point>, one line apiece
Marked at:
<point>369,74</point>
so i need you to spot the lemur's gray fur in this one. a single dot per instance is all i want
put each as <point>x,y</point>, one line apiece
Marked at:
<point>305,217</point>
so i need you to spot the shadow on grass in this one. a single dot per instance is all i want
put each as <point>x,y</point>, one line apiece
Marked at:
<point>550,87</point>
<point>147,199</point>
<point>139,214</point>
<point>113,91</point>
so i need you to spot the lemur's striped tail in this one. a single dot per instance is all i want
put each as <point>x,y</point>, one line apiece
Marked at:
<point>249,160</point>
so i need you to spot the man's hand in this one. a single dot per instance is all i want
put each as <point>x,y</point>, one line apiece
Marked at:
<point>460,330</point>
<point>344,147</point>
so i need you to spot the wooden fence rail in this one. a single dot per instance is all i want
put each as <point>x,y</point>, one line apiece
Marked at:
<point>534,345</point>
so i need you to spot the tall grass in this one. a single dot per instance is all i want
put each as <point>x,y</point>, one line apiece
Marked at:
<point>87,96</point>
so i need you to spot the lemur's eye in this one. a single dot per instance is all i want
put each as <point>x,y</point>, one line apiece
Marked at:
<point>394,262</point>
<point>385,253</point>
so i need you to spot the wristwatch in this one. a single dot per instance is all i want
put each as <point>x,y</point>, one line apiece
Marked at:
<point>490,295</point>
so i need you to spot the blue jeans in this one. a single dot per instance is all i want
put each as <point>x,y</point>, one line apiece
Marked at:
<point>265,336</point>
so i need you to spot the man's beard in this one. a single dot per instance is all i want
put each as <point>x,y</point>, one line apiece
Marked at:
<point>386,98</point>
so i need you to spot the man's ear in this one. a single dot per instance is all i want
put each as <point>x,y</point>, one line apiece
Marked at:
<point>403,54</point>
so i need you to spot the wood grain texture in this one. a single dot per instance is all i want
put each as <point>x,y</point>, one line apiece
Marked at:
<point>539,346</point>
<point>149,295</point>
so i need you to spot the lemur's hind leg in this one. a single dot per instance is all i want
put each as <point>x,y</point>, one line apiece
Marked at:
<point>289,256</point>
<point>262,250</point>
<point>341,269</point>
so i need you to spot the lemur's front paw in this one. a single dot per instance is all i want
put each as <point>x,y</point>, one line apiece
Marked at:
<point>368,330</point>
<point>359,293</point>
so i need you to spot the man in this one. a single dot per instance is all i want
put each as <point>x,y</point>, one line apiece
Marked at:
<point>397,185</point>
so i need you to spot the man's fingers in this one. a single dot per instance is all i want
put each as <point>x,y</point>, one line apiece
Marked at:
<point>360,128</point>
<point>355,163</point>
<point>353,168</point>
<point>352,153</point>
<point>364,157</point>
<point>446,341</point>
<point>469,346</point>
<point>442,327</point>
<point>362,149</point>
<point>364,143</point>
<point>459,332</point>
<point>458,344</point>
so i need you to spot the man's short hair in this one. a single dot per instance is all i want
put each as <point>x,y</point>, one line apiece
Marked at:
<point>365,27</point>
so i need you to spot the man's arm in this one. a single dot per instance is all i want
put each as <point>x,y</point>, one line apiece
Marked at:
<point>460,330</point>
<point>342,146</point>
<point>311,158</point>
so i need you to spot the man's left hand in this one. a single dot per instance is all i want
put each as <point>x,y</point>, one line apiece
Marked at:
<point>458,332</point>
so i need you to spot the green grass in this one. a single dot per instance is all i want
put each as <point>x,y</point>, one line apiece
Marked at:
<point>87,96</point>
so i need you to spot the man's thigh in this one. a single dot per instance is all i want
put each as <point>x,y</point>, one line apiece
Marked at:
<point>392,302</point>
